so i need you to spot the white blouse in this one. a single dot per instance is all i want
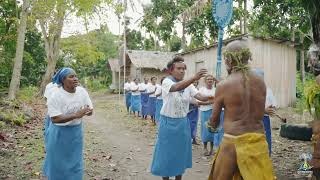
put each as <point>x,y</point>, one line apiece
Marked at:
<point>176,104</point>
<point>65,103</point>
<point>206,92</point>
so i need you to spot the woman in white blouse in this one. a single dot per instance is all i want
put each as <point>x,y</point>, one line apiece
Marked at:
<point>135,97</point>
<point>151,105</point>
<point>66,108</point>
<point>206,112</point>
<point>173,150</point>
<point>159,101</point>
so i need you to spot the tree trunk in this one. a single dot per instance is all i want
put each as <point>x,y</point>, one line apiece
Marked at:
<point>240,19</point>
<point>52,47</point>
<point>245,17</point>
<point>302,71</point>
<point>183,38</point>
<point>16,74</point>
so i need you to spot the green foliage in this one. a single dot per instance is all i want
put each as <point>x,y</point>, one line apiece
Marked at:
<point>312,94</point>
<point>27,94</point>
<point>167,12</point>
<point>134,40</point>
<point>199,25</point>
<point>8,25</point>
<point>33,64</point>
<point>13,117</point>
<point>301,105</point>
<point>95,85</point>
<point>88,54</point>
<point>174,43</point>
<point>277,18</point>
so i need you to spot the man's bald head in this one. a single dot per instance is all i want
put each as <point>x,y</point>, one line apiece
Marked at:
<point>236,54</point>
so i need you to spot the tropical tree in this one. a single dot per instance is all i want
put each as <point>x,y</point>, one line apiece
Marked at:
<point>16,74</point>
<point>51,15</point>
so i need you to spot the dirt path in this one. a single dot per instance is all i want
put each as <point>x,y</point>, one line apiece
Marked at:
<point>130,142</point>
<point>120,147</point>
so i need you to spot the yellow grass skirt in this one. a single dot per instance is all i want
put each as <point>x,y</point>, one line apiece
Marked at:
<point>252,157</point>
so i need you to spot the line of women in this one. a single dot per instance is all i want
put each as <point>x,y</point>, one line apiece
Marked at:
<point>67,104</point>
<point>144,99</point>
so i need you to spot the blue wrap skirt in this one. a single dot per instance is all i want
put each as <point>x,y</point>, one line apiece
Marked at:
<point>151,108</point>
<point>219,135</point>
<point>144,104</point>
<point>128,99</point>
<point>267,129</point>
<point>173,151</point>
<point>135,103</point>
<point>206,135</point>
<point>47,121</point>
<point>159,104</point>
<point>193,117</point>
<point>65,152</point>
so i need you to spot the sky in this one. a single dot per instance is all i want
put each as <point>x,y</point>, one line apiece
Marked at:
<point>74,25</point>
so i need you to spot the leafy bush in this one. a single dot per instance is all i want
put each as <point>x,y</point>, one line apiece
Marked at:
<point>301,105</point>
<point>26,94</point>
<point>95,85</point>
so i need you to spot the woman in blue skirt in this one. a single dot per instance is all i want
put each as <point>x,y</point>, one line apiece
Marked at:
<point>127,92</point>
<point>135,97</point>
<point>66,108</point>
<point>144,98</point>
<point>206,112</point>
<point>270,108</point>
<point>151,108</point>
<point>173,151</point>
<point>159,101</point>
<point>49,91</point>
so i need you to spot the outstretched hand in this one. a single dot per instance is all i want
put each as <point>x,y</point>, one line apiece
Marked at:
<point>200,74</point>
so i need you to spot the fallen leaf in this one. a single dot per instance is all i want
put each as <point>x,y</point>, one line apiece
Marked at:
<point>109,157</point>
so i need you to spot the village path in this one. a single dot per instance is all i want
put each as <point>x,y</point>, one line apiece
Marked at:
<point>120,147</point>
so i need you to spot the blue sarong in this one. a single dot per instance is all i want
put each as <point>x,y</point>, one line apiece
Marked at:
<point>173,151</point>
<point>65,152</point>
<point>144,104</point>
<point>159,104</point>
<point>47,122</point>
<point>219,135</point>
<point>206,136</point>
<point>135,103</point>
<point>151,107</point>
<point>267,129</point>
<point>128,99</point>
<point>193,116</point>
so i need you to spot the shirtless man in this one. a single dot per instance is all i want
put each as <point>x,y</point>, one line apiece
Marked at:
<point>243,151</point>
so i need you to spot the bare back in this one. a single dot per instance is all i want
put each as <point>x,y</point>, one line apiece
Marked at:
<point>243,104</point>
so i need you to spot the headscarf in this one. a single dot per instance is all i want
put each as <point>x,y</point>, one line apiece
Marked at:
<point>259,72</point>
<point>61,74</point>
